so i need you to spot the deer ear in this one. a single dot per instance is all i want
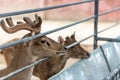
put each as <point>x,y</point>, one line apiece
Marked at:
<point>1,52</point>
<point>73,36</point>
<point>60,39</point>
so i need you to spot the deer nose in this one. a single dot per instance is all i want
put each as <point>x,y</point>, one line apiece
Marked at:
<point>88,55</point>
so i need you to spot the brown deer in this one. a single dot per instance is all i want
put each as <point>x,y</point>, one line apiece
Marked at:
<point>27,52</point>
<point>50,67</point>
<point>5,52</point>
<point>57,63</point>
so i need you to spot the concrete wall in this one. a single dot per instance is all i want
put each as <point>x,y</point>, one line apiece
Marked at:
<point>82,11</point>
<point>18,5</point>
<point>69,13</point>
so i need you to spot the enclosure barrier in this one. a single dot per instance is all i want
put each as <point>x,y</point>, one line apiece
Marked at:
<point>95,17</point>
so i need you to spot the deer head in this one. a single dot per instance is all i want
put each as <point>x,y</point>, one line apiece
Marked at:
<point>76,51</point>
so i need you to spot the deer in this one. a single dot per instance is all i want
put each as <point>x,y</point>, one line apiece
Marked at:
<point>27,52</point>
<point>57,63</point>
<point>52,66</point>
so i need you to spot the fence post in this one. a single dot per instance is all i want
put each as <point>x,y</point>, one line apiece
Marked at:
<point>96,9</point>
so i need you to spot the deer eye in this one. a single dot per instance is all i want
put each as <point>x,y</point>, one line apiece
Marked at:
<point>43,41</point>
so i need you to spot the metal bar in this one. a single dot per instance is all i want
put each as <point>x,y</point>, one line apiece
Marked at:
<point>108,65</point>
<point>108,39</point>
<point>75,43</point>
<point>96,7</point>
<point>22,69</point>
<point>110,11</point>
<point>45,33</point>
<point>117,23</point>
<point>43,9</point>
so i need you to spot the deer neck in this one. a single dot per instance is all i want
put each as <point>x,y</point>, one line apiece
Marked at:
<point>23,57</point>
<point>58,63</point>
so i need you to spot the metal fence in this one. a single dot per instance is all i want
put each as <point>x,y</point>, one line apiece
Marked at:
<point>95,35</point>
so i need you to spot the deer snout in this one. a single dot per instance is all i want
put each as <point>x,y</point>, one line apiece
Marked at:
<point>87,55</point>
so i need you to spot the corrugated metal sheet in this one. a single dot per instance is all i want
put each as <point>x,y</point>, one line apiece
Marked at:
<point>112,53</point>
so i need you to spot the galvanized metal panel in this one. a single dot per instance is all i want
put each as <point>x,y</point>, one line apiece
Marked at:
<point>94,68</point>
<point>116,46</point>
<point>112,53</point>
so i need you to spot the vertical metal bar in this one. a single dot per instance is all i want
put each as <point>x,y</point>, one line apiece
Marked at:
<point>96,9</point>
<point>108,65</point>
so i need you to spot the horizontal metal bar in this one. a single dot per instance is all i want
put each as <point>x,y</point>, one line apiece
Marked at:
<point>45,33</point>
<point>75,43</point>
<point>114,25</point>
<point>108,39</point>
<point>109,11</point>
<point>22,69</point>
<point>43,9</point>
